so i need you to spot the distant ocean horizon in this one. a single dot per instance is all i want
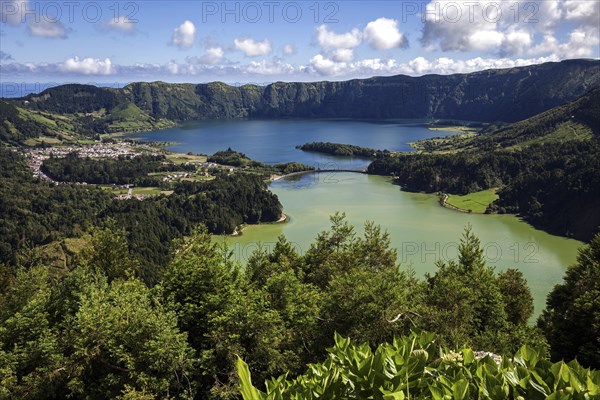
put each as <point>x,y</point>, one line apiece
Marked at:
<point>20,89</point>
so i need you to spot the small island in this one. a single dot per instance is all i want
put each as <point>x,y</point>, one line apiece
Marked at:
<point>240,160</point>
<point>339,149</point>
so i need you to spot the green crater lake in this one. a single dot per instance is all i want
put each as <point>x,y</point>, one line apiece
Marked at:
<point>420,229</point>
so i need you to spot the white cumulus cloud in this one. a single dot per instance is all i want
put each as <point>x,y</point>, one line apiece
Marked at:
<point>252,48</point>
<point>88,66</point>
<point>342,55</point>
<point>325,66</point>
<point>582,42</point>
<point>587,12</point>
<point>213,56</point>
<point>331,40</point>
<point>506,28</point>
<point>122,24</point>
<point>383,34</point>
<point>464,26</point>
<point>184,35</point>
<point>46,28</point>
<point>265,67</point>
<point>288,49</point>
<point>516,42</point>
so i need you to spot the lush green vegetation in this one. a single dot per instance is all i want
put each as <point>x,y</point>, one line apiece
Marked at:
<point>477,202</point>
<point>577,120</point>
<point>221,205</point>
<point>338,149</point>
<point>571,321</point>
<point>231,157</point>
<point>37,213</point>
<point>120,171</point>
<point>94,329</point>
<point>544,174</point>
<point>14,128</point>
<point>417,367</point>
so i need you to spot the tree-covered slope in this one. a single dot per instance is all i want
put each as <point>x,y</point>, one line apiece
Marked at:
<point>576,120</point>
<point>506,95</point>
<point>546,167</point>
<point>36,213</point>
<point>75,98</point>
<point>14,128</point>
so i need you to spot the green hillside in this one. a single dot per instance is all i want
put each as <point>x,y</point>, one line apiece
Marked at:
<point>577,120</point>
<point>547,167</point>
<point>494,95</point>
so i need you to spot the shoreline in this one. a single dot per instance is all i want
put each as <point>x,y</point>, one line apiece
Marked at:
<point>239,230</point>
<point>444,203</point>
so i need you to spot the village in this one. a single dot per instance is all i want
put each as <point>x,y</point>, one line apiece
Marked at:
<point>198,167</point>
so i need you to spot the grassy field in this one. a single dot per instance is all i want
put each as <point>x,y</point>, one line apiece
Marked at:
<point>114,190</point>
<point>564,132</point>
<point>476,202</point>
<point>454,128</point>
<point>183,158</point>
<point>147,191</point>
<point>57,253</point>
<point>38,140</point>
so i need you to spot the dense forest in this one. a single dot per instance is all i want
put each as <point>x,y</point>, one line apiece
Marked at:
<point>339,149</point>
<point>122,170</point>
<point>96,330</point>
<point>554,186</point>
<point>37,213</point>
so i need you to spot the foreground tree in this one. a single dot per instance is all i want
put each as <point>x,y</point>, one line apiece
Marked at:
<point>518,302</point>
<point>469,303</point>
<point>125,341</point>
<point>223,315</point>
<point>464,296</point>
<point>571,321</point>
<point>108,253</point>
<point>32,363</point>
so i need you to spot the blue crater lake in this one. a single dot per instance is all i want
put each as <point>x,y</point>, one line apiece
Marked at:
<point>275,141</point>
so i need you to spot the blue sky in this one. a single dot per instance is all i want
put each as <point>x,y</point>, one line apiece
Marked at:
<point>266,41</point>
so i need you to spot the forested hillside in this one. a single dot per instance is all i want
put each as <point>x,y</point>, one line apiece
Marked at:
<point>547,168</point>
<point>38,212</point>
<point>14,128</point>
<point>494,95</point>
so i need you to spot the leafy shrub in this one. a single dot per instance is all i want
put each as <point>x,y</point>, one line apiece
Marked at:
<point>416,367</point>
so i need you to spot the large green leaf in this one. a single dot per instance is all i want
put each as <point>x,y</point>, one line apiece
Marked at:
<point>248,391</point>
